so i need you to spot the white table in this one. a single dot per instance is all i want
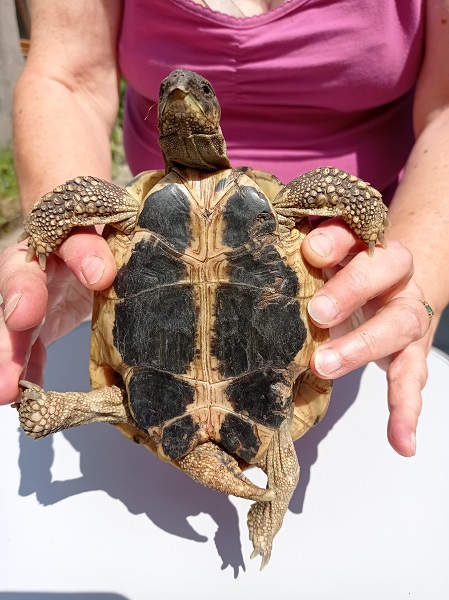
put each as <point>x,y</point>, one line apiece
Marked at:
<point>88,515</point>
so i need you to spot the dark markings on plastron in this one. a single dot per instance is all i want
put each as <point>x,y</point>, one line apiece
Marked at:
<point>156,397</point>
<point>167,213</point>
<point>264,268</point>
<point>221,184</point>
<point>247,215</point>
<point>258,322</point>
<point>239,437</point>
<point>178,437</point>
<point>155,321</point>
<point>264,396</point>
<point>149,267</point>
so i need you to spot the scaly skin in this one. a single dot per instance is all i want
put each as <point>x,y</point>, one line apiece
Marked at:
<point>329,192</point>
<point>280,464</point>
<point>80,201</point>
<point>42,413</point>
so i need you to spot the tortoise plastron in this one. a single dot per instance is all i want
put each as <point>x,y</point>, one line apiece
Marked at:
<point>200,349</point>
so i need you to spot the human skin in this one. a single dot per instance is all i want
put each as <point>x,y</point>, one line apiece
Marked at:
<point>76,78</point>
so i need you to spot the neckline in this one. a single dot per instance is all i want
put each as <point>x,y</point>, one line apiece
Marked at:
<point>239,22</point>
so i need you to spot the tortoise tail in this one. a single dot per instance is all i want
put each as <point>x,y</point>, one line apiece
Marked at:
<point>213,467</point>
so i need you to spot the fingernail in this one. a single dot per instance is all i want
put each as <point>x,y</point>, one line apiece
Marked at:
<point>322,309</point>
<point>320,244</point>
<point>327,362</point>
<point>413,442</point>
<point>11,305</point>
<point>92,269</point>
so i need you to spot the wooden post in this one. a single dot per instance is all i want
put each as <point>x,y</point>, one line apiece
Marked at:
<point>11,63</point>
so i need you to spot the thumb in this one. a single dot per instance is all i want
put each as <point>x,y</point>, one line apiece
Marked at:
<point>87,255</point>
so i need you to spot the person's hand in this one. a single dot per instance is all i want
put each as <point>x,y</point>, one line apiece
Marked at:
<point>38,307</point>
<point>375,312</point>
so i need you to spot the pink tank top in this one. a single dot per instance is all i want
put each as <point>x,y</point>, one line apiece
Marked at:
<point>313,82</point>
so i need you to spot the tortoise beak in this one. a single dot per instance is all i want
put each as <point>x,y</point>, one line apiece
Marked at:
<point>180,99</point>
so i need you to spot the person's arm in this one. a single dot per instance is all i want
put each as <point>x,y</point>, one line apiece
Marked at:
<point>397,324</point>
<point>66,99</point>
<point>66,103</point>
<point>420,211</point>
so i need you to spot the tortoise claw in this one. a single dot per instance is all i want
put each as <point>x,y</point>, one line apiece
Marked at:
<point>26,385</point>
<point>42,257</point>
<point>23,383</point>
<point>30,254</point>
<point>24,235</point>
<point>42,261</point>
<point>265,556</point>
<point>372,243</point>
<point>33,391</point>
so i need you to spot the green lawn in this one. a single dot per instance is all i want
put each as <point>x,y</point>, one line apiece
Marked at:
<point>9,203</point>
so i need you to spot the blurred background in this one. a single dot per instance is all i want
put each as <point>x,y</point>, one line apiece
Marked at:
<point>14,44</point>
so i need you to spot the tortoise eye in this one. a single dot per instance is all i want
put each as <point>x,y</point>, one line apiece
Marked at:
<point>162,88</point>
<point>207,89</point>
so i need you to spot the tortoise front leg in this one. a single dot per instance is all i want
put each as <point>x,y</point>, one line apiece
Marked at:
<point>329,192</point>
<point>280,464</point>
<point>79,202</point>
<point>42,413</point>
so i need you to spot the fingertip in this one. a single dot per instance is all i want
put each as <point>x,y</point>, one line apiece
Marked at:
<point>329,244</point>
<point>92,271</point>
<point>9,389</point>
<point>88,256</point>
<point>401,434</point>
<point>29,312</point>
<point>326,363</point>
<point>24,297</point>
<point>321,244</point>
<point>404,397</point>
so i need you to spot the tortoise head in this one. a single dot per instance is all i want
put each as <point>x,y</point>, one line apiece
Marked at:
<point>189,123</point>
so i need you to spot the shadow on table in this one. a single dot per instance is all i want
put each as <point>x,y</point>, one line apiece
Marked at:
<point>131,474</point>
<point>343,396</point>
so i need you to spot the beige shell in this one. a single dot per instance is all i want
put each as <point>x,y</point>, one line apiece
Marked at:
<point>311,394</point>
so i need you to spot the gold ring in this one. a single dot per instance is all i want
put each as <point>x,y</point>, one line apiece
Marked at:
<point>428,308</point>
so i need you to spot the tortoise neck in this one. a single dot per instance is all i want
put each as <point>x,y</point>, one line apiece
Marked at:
<point>198,151</point>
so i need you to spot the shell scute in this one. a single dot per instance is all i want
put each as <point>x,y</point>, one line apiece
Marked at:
<point>239,436</point>
<point>247,215</point>
<point>207,279</point>
<point>166,213</point>
<point>155,318</point>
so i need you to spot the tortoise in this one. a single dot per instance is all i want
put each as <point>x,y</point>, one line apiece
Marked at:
<point>200,349</point>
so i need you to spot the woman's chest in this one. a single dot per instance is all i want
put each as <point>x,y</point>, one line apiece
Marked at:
<point>344,56</point>
<point>241,9</point>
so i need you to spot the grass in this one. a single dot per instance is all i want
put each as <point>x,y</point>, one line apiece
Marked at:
<point>9,194</point>
<point>117,152</point>
<point>8,183</point>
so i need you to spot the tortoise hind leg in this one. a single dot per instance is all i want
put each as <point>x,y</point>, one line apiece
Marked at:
<point>42,413</point>
<point>281,466</point>
<point>213,467</point>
